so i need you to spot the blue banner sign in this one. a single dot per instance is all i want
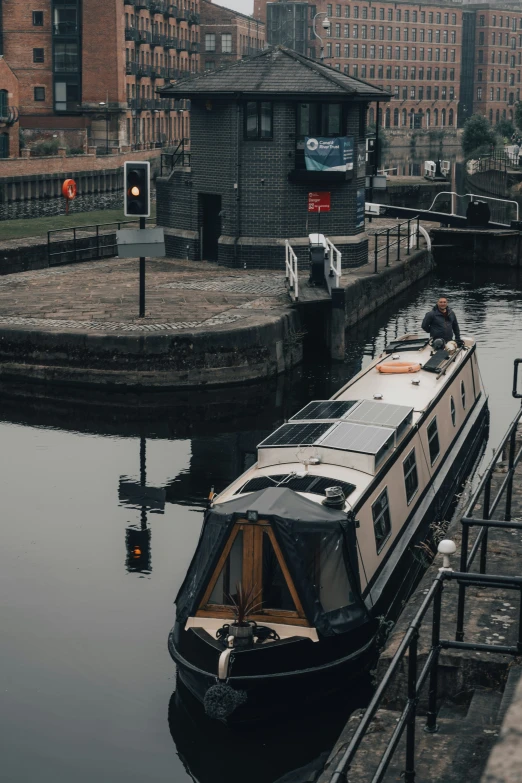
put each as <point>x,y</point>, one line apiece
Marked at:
<point>329,154</point>
<point>359,215</point>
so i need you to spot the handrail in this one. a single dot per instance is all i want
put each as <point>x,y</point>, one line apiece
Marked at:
<point>415,682</point>
<point>411,237</point>
<point>333,275</point>
<point>291,271</point>
<point>472,195</point>
<point>98,249</point>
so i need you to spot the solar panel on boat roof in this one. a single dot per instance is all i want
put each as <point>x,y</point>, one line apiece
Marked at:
<point>363,438</point>
<point>295,435</point>
<point>380,413</point>
<point>324,409</point>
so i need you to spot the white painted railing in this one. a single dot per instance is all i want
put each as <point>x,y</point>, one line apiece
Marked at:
<point>291,275</point>
<point>332,265</point>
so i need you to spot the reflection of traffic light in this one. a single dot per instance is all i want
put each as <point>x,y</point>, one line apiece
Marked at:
<point>137,542</point>
<point>137,188</point>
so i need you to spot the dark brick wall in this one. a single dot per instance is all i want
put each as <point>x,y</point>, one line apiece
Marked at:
<point>264,203</point>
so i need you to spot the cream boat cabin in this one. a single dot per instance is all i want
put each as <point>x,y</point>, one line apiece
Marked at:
<point>398,444</point>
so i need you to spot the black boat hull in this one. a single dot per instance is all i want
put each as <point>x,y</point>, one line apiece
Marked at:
<point>321,668</point>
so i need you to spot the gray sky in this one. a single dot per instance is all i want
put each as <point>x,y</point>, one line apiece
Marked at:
<point>244,6</point>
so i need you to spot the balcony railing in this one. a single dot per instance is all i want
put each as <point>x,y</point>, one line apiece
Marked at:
<point>172,10</point>
<point>157,39</point>
<point>181,14</point>
<point>172,73</point>
<point>157,71</point>
<point>142,70</point>
<point>158,6</point>
<point>144,36</point>
<point>131,34</point>
<point>193,18</point>
<point>65,28</point>
<point>194,46</point>
<point>248,51</point>
<point>171,43</point>
<point>183,45</point>
<point>130,2</point>
<point>142,4</point>
<point>131,68</point>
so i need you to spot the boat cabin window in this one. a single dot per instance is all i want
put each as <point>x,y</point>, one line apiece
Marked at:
<point>381,520</point>
<point>326,569</point>
<point>411,479</point>
<point>453,411</point>
<point>463,394</point>
<point>433,440</point>
<point>252,557</point>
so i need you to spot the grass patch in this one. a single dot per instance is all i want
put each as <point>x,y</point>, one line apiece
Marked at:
<point>35,227</point>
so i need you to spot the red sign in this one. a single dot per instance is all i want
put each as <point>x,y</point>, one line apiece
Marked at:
<point>319,202</point>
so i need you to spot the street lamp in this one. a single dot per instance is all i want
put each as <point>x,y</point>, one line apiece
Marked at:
<point>326,25</point>
<point>102,103</point>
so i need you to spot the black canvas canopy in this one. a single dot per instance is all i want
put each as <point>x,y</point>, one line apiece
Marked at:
<point>307,533</point>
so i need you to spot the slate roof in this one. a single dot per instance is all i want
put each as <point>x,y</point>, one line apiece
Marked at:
<point>277,71</point>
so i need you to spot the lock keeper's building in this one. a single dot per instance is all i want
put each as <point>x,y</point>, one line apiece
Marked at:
<point>244,189</point>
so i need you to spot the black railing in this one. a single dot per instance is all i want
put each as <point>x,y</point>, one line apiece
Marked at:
<point>88,242</point>
<point>496,161</point>
<point>65,28</point>
<point>183,45</point>
<point>132,34</point>
<point>393,238</point>
<point>180,157</point>
<point>415,681</point>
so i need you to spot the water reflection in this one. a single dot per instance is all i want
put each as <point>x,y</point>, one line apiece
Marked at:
<point>102,507</point>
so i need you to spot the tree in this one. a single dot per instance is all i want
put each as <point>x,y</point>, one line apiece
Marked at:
<point>518,114</point>
<point>505,128</point>
<point>478,134</point>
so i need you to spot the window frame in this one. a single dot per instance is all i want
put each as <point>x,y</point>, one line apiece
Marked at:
<point>37,15</point>
<point>42,93</point>
<point>39,58</point>
<point>453,411</point>
<point>210,35</point>
<point>252,551</point>
<point>411,470</point>
<point>380,545</point>
<point>246,137</point>
<point>433,459</point>
<point>463,395</point>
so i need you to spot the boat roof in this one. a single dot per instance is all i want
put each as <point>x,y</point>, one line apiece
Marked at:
<point>356,431</point>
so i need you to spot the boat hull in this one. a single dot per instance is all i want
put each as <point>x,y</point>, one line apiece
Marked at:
<point>321,668</point>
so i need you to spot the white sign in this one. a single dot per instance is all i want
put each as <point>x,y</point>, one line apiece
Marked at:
<point>141,243</point>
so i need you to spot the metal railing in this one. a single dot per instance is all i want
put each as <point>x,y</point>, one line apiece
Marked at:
<point>455,195</point>
<point>333,273</point>
<point>180,157</point>
<point>87,241</point>
<point>394,236</point>
<point>415,681</point>
<point>291,271</point>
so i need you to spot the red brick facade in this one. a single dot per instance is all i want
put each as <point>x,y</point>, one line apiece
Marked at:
<point>93,74</point>
<point>227,35</point>
<point>9,108</point>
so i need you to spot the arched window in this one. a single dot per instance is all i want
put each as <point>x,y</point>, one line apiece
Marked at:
<point>412,118</point>
<point>443,118</point>
<point>396,117</point>
<point>4,145</point>
<point>428,118</point>
<point>435,117</point>
<point>450,118</point>
<point>404,118</point>
<point>387,120</point>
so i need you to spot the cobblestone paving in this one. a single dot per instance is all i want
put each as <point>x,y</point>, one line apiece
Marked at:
<point>247,284</point>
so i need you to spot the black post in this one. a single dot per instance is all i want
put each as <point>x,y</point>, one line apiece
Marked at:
<point>409,772</point>
<point>97,240</point>
<point>375,254</point>
<point>408,239</point>
<point>387,247</point>
<point>459,635</point>
<point>509,488</point>
<point>143,478</point>
<point>74,243</point>
<point>142,277</point>
<point>484,542</point>
<point>399,242</point>
<point>418,232</point>
<point>107,133</point>
<point>519,641</point>
<point>431,715</point>
<point>48,248</point>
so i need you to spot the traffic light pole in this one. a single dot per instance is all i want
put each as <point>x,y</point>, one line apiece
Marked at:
<point>142,277</point>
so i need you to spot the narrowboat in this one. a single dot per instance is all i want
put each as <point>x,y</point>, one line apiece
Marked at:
<point>306,556</point>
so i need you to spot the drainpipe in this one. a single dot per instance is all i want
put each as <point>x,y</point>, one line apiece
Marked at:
<point>238,173</point>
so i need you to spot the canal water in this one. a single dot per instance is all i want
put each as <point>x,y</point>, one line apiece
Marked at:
<point>87,686</point>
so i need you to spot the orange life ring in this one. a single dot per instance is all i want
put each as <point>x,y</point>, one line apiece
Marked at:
<point>397,367</point>
<point>69,189</point>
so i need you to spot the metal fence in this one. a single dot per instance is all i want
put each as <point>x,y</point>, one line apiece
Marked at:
<point>464,578</point>
<point>84,243</point>
<point>180,157</point>
<point>393,237</point>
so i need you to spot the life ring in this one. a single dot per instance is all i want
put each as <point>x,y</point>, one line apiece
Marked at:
<point>397,367</point>
<point>69,189</point>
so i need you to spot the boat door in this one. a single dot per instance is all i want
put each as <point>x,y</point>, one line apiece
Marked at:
<point>252,559</point>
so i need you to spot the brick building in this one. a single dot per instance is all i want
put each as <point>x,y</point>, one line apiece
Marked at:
<point>87,72</point>
<point>9,101</point>
<point>435,58</point>
<point>247,186</point>
<point>227,35</point>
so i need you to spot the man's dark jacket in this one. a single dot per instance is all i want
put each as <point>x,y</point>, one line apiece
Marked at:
<point>442,325</point>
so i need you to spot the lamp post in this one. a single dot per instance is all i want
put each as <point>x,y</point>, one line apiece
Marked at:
<point>102,103</point>
<point>326,25</point>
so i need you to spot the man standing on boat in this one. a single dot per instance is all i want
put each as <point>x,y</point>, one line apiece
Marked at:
<point>441,322</point>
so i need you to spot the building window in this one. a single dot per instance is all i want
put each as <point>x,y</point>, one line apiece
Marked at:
<point>258,120</point>
<point>38,18</point>
<point>210,65</point>
<point>210,42</point>
<point>346,30</point>
<point>338,10</point>
<point>65,57</point>
<point>355,31</point>
<point>411,480</point>
<point>482,21</point>
<point>337,30</point>
<point>381,520</point>
<point>433,437</point>
<point>329,10</point>
<point>453,411</point>
<point>319,119</point>
<point>355,11</point>
<point>347,11</point>
<point>38,55</point>
<point>347,50</point>
<point>226,43</point>
<point>39,93</point>
<point>479,75</point>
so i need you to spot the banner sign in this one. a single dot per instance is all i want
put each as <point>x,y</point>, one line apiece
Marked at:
<point>359,215</point>
<point>329,154</point>
<point>319,202</point>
